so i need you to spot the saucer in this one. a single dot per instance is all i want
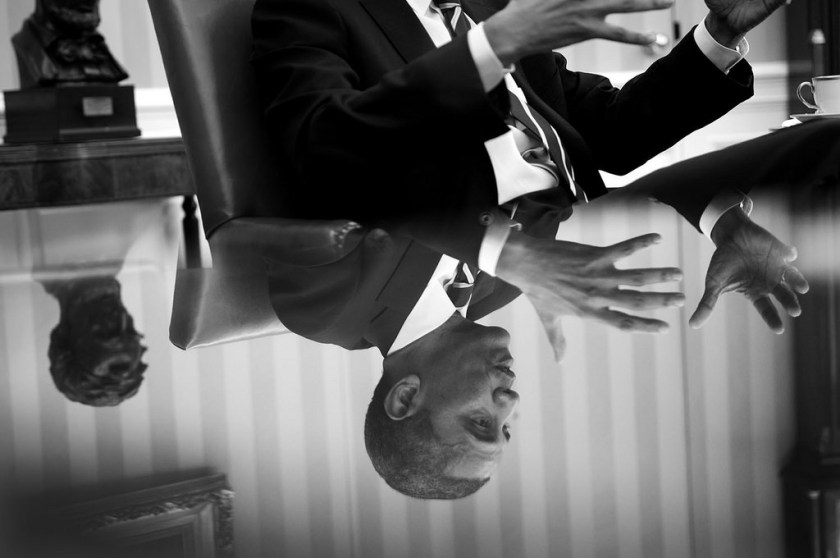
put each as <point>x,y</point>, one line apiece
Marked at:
<point>815,116</point>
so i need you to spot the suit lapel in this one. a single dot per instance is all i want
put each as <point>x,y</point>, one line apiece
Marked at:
<point>400,25</point>
<point>409,278</point>
<point>479,10</point>
<point>400,293</point>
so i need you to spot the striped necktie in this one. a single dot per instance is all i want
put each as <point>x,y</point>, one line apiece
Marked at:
<point>461,287</point>
<point>532,123</point>
<point>457,24</point>
<point>453,16</point>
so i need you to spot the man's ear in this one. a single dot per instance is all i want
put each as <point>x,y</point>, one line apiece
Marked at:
<point>402,400</point>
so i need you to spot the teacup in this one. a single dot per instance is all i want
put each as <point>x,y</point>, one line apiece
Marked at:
<point>826,93</point>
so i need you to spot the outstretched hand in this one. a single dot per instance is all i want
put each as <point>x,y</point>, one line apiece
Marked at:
<point>569,279</point>
<point>751,261</point>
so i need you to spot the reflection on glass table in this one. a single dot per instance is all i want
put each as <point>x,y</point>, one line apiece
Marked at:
<point>95,352</point>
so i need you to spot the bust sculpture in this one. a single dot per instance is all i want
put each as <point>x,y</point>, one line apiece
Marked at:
<point>59,45</point>
<point>95,353</point>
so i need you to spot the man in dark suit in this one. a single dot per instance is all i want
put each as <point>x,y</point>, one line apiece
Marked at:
<point>385,120</point>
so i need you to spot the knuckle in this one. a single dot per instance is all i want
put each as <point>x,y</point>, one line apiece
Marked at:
<point>626,324</point>
<point>638,277</point>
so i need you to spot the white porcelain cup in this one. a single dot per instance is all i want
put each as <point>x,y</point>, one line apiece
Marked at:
<point>826,93</point>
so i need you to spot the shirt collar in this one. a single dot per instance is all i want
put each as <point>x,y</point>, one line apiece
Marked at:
<point>432,309</point>
<point>421,7</point>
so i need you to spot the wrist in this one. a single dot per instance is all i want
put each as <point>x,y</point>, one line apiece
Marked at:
<point>503,42</point>
<point>722,32</point>
<point>511,255</point>
<point>728,224</point>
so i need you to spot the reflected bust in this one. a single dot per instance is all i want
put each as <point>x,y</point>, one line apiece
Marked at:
<point>95,352</point>
<point>59,45</point>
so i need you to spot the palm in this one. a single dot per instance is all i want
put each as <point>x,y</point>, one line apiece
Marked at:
<point>745,270</point>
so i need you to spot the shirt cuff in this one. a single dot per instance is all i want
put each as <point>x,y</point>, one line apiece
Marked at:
<point>719,205</point>
<point>494,240</point>
<point>722,57</point>
<point>488,64</point>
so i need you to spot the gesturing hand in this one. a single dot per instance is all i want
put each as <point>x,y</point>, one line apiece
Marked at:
<point>524,27</point>
<point>565,278</point>
<point>729,20</point>
<point>750,260</point>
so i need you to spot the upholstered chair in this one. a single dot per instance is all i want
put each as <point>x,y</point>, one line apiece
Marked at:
<point>205,45</point>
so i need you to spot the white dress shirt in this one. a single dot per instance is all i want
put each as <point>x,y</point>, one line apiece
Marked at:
<point>433,307</point>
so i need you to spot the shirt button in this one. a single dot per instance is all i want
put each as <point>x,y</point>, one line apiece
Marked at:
<point>486,218</point>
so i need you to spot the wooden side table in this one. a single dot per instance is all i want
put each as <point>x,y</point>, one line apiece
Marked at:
<point>61,174</point>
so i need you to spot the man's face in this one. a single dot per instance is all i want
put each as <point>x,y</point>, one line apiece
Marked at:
<point>469,397</point>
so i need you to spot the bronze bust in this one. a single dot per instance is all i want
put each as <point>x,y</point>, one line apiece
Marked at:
<point>59,45</point>
<point>95,353</point>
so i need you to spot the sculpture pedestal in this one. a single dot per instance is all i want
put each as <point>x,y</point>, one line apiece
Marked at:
<point>70,113</point>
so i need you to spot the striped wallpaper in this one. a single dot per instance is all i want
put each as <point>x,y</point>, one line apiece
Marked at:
<point>636,447</point>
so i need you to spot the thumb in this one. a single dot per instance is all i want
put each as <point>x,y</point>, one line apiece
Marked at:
<point>706,305</point>
<point>554,329</point>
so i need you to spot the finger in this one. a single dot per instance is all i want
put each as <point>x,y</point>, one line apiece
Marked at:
<point>626,322</point>
<point>554,329</point>
<point>769,314</point>
<point>641,300</point>
<point>796,280</point>
<point>558,341</point>
<point>706,305</point>
<point>628,247</point>
<point>648,276</point>
<point>599,29</point>
<point>628,6</point>
<point>788,299</point>
<point>791,254</point>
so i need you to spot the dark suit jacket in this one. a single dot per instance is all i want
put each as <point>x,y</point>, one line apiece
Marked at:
<point>362,299</point>
<point>382,127</point>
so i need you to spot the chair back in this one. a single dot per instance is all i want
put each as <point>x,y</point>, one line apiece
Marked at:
<point>206,46</point>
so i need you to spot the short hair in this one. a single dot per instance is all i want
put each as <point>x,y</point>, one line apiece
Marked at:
<point>91,375</point>
<point>407,454</point>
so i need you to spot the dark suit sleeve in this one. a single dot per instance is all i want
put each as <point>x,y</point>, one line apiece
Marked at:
<point>345,105</point>
<point>785,161</point>
<point>678,94</point>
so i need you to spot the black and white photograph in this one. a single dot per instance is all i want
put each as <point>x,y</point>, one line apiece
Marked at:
<point>420,278</point>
